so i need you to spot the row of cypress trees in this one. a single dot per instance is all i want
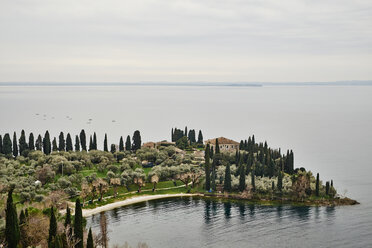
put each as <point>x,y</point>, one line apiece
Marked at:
<point>21,146</point>
<point>191,135</point>
<point>55,240</point>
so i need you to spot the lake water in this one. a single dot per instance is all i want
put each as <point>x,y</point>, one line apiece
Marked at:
<point>329,129</point>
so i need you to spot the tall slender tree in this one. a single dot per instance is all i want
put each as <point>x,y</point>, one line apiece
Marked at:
<point>46,143</point>
<point>22,143</point>
<point>213,177</point>
<point>7,145</point>
<point>61,142</point>
<point>128,144</point>
<point>136,140</point>
<point>90,143</point>
<point>105,146</point>
<point>78,225</point>
<point>113,148</point>
<point>253,179</point>
<point>317,185</point>
<point>52,228</point>
<point>280,181</point>
<point>83,140</point>
<point>207,169</point>
<point>242,177</point>
<point>1,144</point>
<point>90,239</point>
<point>200,137</point>
<point>121,144</point>
<point>31,142</point>
<point>15,145</point>
<point>94,141</point>
<point>39,143</point>
<point>69,143</point>
<point>227,183</point>
<point>12,233</point>
<point>68,217</point>
<point>217,147</point>
<point>77,143</point>
<point>327,188</point>
<point>54,145</point>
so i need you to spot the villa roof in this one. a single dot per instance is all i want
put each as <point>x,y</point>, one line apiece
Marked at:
<point>221,141</point>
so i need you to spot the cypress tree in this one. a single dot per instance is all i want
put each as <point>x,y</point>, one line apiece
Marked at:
<point>227,183</point>
<point>207,169</point>
<point>39,143</point>
<point>46,143</point>
<point>331,183</point>
<point>213,178</point>
<point>12,233</point>
<point>22,143</point>
<point>68,217</point>
<point>113,148</point>
<point>83,140</point>
<point>217,147</point>
<point>69,143</point>
<point>77,143</point>
<point>121,144</point>
<point>22,218</point>
<point>61,142</point>
<point>1,144</point>
<point>200,137</point>
<point>54,145</point>
<point>26,213</point>
<point>31,142</point>
<point>105,147</point>
<point>52,228</point>
<point>78,225</point>
<point>272,186</point>
<point>15,145</point>
<point>253,179</point>
<point>242,177</point>
<point>185,134</point>
<point>317,185</point>
<point>136,140</point>
<point>172,135</point>
<point>7,145</point>
<point>327,188</point>
<point>94,141</point>
<point>280,181</point>
<point>128,144</point>
<point>90,143</point>
<point>90,239</point>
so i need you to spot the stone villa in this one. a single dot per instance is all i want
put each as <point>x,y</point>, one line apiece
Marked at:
<point>226,145</point>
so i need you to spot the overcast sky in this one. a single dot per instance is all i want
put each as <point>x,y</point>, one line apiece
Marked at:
<point>181,40</point>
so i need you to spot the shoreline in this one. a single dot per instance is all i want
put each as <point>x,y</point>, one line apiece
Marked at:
<point>132,200</point>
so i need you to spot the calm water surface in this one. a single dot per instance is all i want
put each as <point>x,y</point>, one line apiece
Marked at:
<point>329,129</point>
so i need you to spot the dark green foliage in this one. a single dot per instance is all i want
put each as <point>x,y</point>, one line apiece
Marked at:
<point>177,134</point>
<point>54,145</point>
<point>128,144</point>
<point>227,182</point>
<point>31,142</point>
<point>61,142</point>
<point>68,217</point>
<point>121,144</point>
<point>22,143</point>
<point>78,224</point>
<point>90,143</point>
<point>207,169</point>
<point>136,140</point>
<point>331,183</point>
<point>272,186</point>
<point>1,144</point>
<point>26,213</point>
<point>12,234</point>
<point>69,143</point>
<point>327,188</point>
<point>191,136</point>
<point>317,185</point>
<point>52,228</point>
<point>15,145</point>
<point>7,145</point>
<point>113,148</point>
<point>242,177</point>
<point>185,133</point>
<point>280,181</point>
<point>46,143</point>
<point>90,239</point>
<point>39,143</point>
<point>83,140</point>
<point>94,141</point>
<point>217,148</point>
<point>200,137</point>
<point>77,143</point>
<point>22,217</point>
<point>213,178</point>
<point>253,179</point>
<point>105,146</point>
<point>182,143</point>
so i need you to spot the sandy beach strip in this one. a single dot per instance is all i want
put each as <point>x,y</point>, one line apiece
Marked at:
<point>133,200</point>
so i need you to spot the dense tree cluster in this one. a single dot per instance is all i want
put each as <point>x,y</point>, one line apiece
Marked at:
<point>186,138</point>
